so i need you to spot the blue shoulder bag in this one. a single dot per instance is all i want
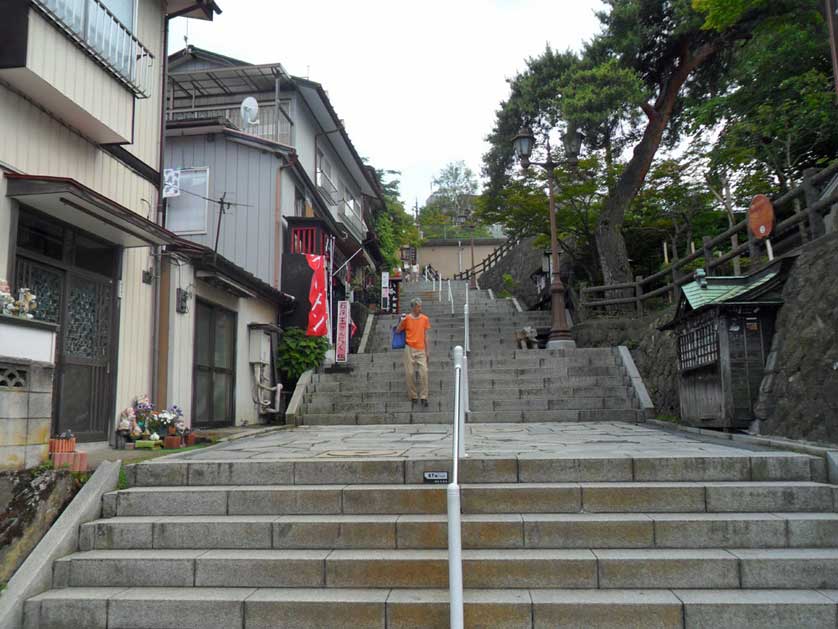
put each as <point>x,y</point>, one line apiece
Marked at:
<point>398,339</point>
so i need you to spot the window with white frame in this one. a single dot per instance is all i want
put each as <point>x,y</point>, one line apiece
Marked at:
<point>186,213</point>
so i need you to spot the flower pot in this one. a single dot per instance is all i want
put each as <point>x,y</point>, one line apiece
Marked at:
<point>171,442</point>
<point>172,431</point>
<point>191,439</point>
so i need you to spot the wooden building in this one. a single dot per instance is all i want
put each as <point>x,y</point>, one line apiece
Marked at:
<point>724,327</point>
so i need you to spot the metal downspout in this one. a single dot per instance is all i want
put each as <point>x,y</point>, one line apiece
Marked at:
<point>156,251</point>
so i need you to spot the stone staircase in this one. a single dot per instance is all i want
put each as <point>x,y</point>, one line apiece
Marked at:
<point>329,525</point>
<point>742,540</point>
<point>506,384</point>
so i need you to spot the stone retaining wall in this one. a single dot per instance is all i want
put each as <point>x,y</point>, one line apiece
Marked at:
<point>653,352</point>
<point>25,412</point>
<point>799,394</point>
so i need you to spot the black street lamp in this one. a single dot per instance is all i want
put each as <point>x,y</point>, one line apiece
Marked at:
<point>523,143</point>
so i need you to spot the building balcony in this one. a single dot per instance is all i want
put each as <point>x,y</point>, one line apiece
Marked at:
<point>79,62</point>
<point>98,31</point>
<point>352,220</point>
<point>274,120</point>
<point>327,187</point>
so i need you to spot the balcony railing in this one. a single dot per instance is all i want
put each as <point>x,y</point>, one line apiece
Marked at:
<point>274,122</point>
<point>90,24</point>
<point>327,186</point>
<point>350,218</point>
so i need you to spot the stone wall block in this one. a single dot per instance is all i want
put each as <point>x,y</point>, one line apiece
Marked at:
<point>41,378</point>
<point>14,403</point>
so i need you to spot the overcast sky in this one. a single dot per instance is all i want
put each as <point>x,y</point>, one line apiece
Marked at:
<point>416,83</point>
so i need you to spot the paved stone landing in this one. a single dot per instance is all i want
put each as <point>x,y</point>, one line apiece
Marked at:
<point>422,441</point>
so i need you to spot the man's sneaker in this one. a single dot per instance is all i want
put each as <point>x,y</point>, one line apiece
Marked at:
<point>425,403</point>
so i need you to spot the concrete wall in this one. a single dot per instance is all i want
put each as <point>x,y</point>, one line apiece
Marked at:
<point>25,412</point>
<point>449,257</point>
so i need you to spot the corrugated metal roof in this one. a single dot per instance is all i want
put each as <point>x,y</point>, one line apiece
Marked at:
<point>721,289</point>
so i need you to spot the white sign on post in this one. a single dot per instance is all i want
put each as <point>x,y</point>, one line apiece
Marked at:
<point>385,291</point>
<point>342,341</point>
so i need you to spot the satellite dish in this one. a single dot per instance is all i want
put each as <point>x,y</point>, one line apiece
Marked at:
<point>249,111</point>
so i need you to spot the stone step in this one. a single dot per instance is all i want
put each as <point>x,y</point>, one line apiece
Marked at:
<point>510,568</point>
<point>384,608</point>
<point>363,410</point>
<point>429,416</point>
<point>324,383</point>
<point>567,375</point>
<point>616,497</point>
<point>490,393</point>
<point>479,531</point>
<point>534,468</point>
<point>395,359</point>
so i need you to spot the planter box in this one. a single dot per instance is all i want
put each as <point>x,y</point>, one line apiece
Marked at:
<point>171,443</point>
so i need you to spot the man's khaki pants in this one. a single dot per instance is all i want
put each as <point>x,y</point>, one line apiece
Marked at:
<point>414,359</point>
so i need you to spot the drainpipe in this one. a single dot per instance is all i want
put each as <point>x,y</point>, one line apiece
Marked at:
<point>156,251</point>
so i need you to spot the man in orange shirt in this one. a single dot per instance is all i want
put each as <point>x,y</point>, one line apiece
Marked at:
<point>416,355</point>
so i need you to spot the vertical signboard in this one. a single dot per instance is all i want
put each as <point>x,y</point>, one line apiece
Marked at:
<point>342,341</point>
<point>385,291</point>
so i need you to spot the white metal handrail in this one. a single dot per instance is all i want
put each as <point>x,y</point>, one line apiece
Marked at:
<point>450,296</point>
<point>455,542</point>
<point>439,296</point>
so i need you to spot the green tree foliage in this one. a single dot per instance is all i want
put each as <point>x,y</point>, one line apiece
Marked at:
<point>748,81</point>
<point>777,114</point>
<point>394,227</point>
<point>450,210</point>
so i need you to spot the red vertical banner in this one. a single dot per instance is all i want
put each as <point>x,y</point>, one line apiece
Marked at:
<point>318,313</point>
<point>342,340</point>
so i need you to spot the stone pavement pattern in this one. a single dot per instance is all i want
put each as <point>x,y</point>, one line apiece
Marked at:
<point>606,440</point>
<point>565,524</point>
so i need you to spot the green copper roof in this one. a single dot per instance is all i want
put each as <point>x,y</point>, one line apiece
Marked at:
<point>718,290</point>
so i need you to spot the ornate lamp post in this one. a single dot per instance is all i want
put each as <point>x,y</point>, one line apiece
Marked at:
<point>523,144</point>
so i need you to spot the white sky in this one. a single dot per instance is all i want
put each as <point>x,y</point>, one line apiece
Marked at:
<point>417,83</point>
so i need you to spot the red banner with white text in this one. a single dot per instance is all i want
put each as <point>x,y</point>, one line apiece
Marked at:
<point>318,315</point>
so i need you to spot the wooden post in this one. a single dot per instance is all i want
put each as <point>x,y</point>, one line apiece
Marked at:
<point>708,255</point>
<point>753,249</point>
<point>816,226</point>
<point>638,294</point>
<point>676,274</point>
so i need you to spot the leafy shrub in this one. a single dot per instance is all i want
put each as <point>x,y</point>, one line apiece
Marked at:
<point>298,353</point>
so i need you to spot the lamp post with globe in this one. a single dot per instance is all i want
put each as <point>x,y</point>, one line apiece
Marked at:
<point>523,144</point>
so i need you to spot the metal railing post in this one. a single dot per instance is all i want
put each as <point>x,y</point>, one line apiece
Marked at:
<point>455,543</point>
<point>439,297</point>
<point>450,297</point>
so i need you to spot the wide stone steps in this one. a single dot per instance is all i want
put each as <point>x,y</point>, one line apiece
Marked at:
<point>531,468</point>
<point>333,383</point>
<point>350,396</point>
<point>793,530</point>
<point>510,568</point>
<point>488,498</point>
<point>385,608</point>
<point>487,402</point>
<point>428,416</point>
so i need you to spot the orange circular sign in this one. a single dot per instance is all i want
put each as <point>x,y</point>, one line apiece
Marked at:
<point>761,216</point>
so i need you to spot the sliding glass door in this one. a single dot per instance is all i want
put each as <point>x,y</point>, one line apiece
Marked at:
<point>214,365</point>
